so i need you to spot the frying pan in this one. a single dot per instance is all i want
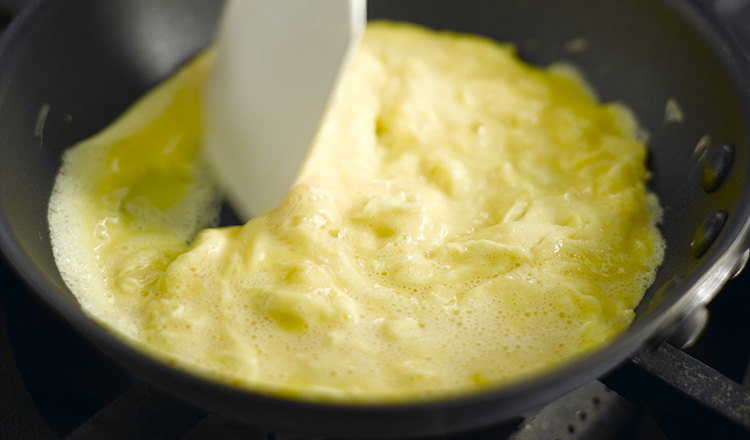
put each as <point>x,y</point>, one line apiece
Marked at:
<point>71,66</point>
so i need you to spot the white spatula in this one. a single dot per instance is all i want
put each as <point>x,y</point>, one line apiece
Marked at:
<point>277,64</point>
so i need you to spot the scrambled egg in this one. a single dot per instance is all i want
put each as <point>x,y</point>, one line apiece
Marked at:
<point>464,220</point>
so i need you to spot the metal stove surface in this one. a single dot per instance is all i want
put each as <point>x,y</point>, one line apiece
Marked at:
<point>55,385</point>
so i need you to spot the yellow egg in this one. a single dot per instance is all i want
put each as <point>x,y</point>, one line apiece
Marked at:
<point>464,220</point>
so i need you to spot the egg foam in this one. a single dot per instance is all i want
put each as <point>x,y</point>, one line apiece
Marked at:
<point>464,220</point>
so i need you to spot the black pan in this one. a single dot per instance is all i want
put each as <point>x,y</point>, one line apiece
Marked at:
<point>70,66</point>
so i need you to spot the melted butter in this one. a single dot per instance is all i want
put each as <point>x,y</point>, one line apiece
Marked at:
<point>464,220</point>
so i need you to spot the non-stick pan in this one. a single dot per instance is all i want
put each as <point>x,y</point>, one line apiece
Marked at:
<point>70,66</point>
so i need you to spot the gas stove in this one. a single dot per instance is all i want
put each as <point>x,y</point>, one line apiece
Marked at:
<point>53,384</point>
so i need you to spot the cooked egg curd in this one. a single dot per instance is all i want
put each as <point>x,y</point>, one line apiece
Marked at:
<point>463,220</point>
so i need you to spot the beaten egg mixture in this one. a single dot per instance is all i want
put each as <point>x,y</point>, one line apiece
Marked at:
<point>463,220</point>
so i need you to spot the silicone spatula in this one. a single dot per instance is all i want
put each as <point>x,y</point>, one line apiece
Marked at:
<point>277,64</point>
